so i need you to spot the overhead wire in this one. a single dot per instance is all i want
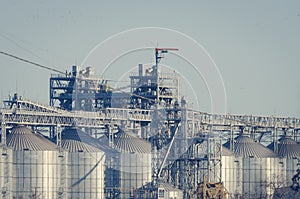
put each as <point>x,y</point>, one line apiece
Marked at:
<point>31,62</point>
<point>55,70</point>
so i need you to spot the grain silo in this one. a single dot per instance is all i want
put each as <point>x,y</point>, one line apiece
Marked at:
<point>30,166</point>
<point>289,152</point>
<point>258,165</point>
<point>135,162</point>
<point>231,171</point>
<point>5,171</point>
<point>84,171</point>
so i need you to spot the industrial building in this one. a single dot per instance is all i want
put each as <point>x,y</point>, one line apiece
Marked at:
<point>95,141</point>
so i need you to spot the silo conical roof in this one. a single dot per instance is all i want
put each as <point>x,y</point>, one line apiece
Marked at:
<point>129,143</point>
<point>226,152</point>
<point>21,138</point>
<point>245,146</point>
<point>287,147</point>
<point>75,140</point>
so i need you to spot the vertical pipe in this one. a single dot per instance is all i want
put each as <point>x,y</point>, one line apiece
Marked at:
<point>111,136</point>
<point>141,70</point>
<point>231,138</point>
<point>3,131</point>
<point>51,92</point>
<point>220,156</point>
<point>208,158</point>
<point>275,142</point>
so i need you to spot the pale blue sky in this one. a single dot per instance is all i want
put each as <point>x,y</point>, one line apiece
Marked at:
<point>255,44</point>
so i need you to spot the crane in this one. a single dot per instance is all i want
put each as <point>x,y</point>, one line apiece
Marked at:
<point>159,53</point>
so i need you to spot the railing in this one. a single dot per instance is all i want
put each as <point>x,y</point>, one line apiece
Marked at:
<point>42,113</point>
<point>33,106</point>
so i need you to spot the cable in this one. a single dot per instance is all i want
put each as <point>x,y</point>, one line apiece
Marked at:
<point>30,62</point>
<point>55,70</point>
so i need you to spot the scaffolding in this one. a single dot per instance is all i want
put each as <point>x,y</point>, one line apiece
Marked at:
<point>80,90</point>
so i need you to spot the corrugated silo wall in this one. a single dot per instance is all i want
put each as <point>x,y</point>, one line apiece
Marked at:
<point>259,177</point>
<point>5,172</point>
<point>50,174</point>
<point>135,171</point>
<point>291,165</point>
<point>30,174</point>
<point>231,171</point>
<point>252,177</point>
<point>85,175</point>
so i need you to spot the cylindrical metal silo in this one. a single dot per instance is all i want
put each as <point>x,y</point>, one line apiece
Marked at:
<point>84,171</point>
<point>231,171</point>
<point>30,165</point>
<point>5,171</point>
<point>258,165</point>
<point>289,152</point>
<point>135,162</point>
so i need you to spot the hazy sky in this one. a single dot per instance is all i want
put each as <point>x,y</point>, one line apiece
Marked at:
<point>255,44</point>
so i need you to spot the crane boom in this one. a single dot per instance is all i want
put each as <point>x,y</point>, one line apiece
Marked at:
<point>160,51</point>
